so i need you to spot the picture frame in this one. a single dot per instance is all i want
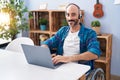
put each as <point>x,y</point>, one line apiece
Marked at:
<point>43,6</point>
<point>62,6</point>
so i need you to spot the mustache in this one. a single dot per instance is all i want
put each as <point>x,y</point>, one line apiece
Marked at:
<point>71,20</point>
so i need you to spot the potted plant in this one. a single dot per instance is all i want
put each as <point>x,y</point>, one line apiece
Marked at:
<point>43,23</point>
<point>31,20</point>
<point>18,22</point>
<point>31,15</point>
<point>96,26</point>
<point>64,22</point>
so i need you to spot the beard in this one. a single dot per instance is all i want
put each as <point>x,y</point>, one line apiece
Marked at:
<point>73,23</point>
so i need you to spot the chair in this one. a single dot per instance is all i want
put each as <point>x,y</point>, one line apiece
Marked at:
<point>15,45</point>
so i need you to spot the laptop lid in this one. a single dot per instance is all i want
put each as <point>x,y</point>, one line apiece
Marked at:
<point>38,55</point>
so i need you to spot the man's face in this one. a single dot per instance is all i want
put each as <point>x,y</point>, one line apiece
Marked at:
<point>72,14</point>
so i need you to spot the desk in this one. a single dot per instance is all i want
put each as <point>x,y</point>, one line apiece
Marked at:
<point>13,66</point>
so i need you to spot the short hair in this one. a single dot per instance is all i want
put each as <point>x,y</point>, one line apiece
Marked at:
<point>74,5</point>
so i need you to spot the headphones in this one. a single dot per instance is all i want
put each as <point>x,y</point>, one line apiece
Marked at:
<point>79,17</point>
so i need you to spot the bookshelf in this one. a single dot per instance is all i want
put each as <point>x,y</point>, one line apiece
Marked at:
<point>105,59</point>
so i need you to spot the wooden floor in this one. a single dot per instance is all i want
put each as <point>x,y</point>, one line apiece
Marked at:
<point>113,77</point>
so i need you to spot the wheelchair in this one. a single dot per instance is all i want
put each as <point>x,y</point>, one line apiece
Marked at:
<point>96,74</point>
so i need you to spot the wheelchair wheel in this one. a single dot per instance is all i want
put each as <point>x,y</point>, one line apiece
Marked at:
<point>96,74</point>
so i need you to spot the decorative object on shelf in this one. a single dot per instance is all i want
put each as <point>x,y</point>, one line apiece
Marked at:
<point>96,26</point>
<point>43,6</point>
<point>62,6</point>
<point>14,20</point>
<point>64,22</point>
<point>30,15</point>
<point>98,12</point>
<point>43,37</point>
<point>43,24</point>
<point>116,1</point>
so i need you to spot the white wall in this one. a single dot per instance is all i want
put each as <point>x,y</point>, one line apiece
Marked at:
<point>110,21</point>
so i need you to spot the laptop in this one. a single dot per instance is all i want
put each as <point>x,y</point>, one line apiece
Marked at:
<point>38,55</point>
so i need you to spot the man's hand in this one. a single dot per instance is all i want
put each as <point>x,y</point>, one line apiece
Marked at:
<point>59,58</point>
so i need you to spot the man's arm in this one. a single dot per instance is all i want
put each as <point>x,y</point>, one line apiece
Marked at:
<point>84,56</point>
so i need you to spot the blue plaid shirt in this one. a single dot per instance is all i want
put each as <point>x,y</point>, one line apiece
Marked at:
<point>88,42</point>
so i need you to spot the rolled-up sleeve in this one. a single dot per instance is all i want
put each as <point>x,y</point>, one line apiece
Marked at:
<point>93,44</point>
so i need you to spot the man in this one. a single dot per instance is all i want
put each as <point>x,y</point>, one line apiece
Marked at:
<point>74,43</point>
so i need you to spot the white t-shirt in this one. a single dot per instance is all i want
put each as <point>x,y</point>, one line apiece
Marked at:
<point>71,44</point>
